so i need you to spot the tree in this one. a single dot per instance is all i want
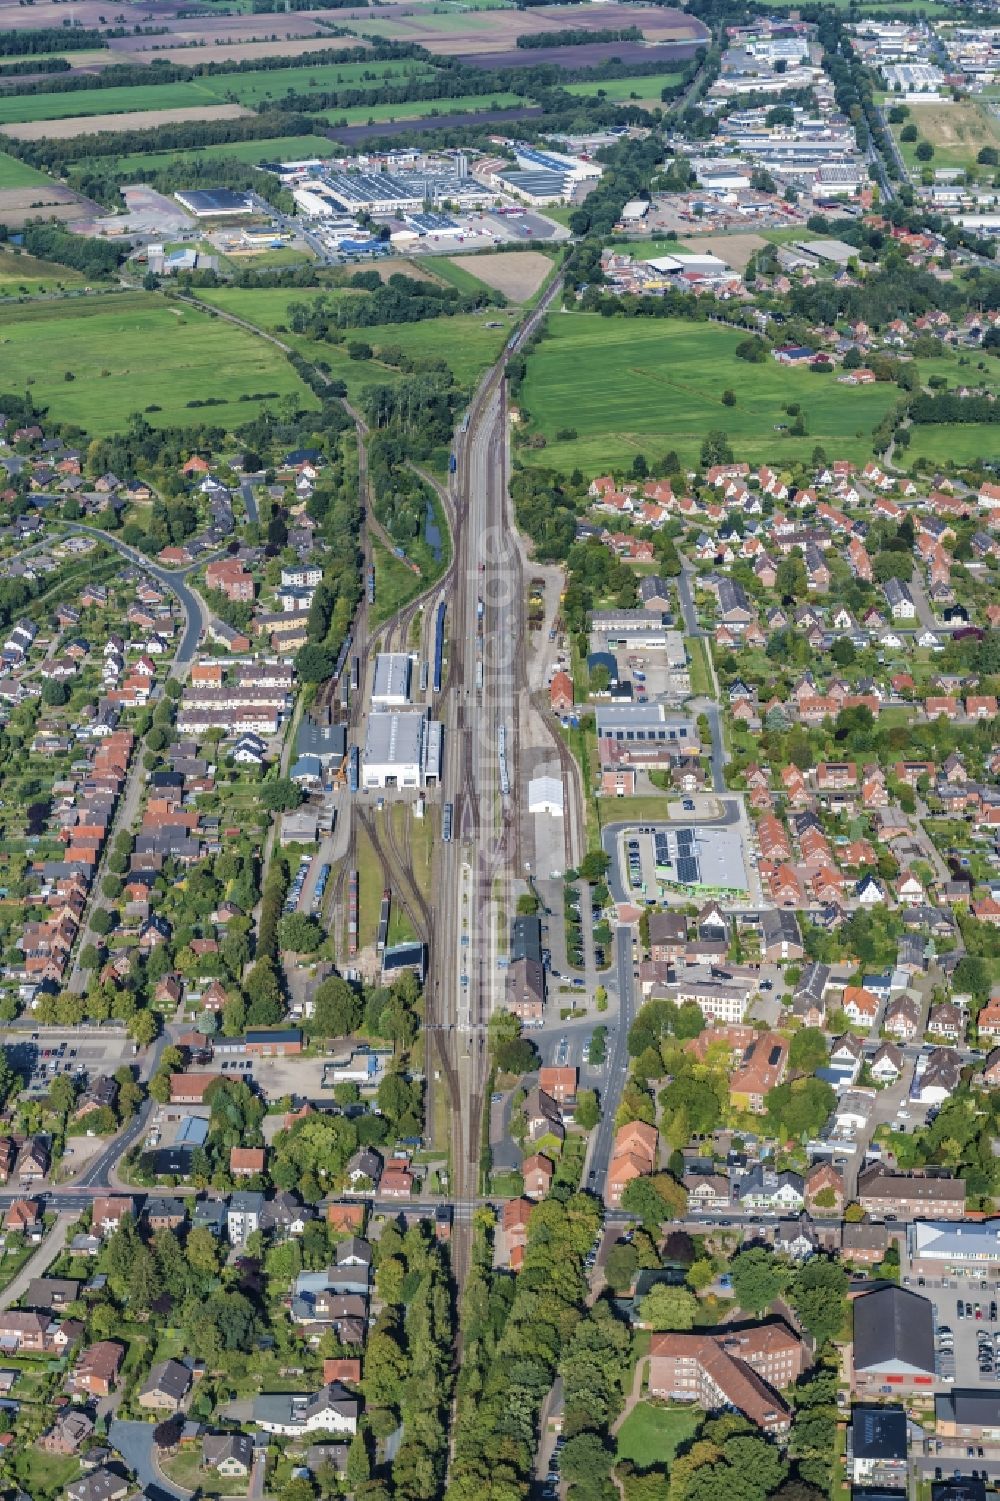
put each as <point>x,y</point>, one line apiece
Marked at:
<point>588,1112</point>
<point>516,1056</point>
<point>300,933</point>
<point>338,1009</point>
<point>585,1458</point>
<point>807,1050</point>
<point>757,1279</point>
<point>621,1266</point>
<point>144,1028</point>
<point>54,693</point>
<point>280,796</point>
<point>668,1308</point>
<point>924,151</point>
<point>818,1294</point>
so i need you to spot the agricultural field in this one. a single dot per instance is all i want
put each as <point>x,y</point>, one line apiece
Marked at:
<point>957,131</point>
<point>15,108</point>
<point>622,90</point>
<point>518,274</point>
<point>419,109</point>
<point>88,125</point>
<point>273,149</point>
<point>634,386</point>
<point>255,89</point>
<point>463,341</point>
<point>96,360</point>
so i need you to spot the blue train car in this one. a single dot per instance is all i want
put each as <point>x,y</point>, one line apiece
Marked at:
<point>439,645</point>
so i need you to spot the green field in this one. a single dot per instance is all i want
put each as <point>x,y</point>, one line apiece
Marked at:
<point>18,269</point>
<point>15,174</point>
<point>273,149</point>
<point>651,1435</point>
<point>463,341</point>
<point>621,90</point>
<point>419,109</point>
<point>252,89</point>
<point>127,352</point>
<point>957,131</point>
<point>630,386</point>
<point>456,276</point>
<point>256,88</point>
<point>956,443</point>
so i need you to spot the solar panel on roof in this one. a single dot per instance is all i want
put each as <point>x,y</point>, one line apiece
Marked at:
<point>687,869</point>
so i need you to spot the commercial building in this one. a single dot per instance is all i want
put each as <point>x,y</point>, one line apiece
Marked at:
<point>215,203</point>
<point>968,1249</point>
<point>391,688</point>
<point>968,1413</point>
<point>545,795</point>
<point>649,723</point>
<point>401,750</point>
<point>876,1445</point>
<point>893,1342</point>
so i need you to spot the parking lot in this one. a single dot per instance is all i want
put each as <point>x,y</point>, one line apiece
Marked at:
<point>40,1056</point>
<point>966,1345</point>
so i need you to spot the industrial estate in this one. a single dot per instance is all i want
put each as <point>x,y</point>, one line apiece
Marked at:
<point>500,748</point>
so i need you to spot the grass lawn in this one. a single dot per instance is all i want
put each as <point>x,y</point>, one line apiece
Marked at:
<point>461,276</point>
<point>419,109</point>
<point>701,677</point>
<point>621,90</point>
<point>17,174</point>
<point>637,386</point>
<point>652,1435</point>
<point>463,341</point>
<point>370,886</point>
<point>185,1469</point>
<point>42,1474</point>
<point>18,269</point>
<point>955,442</point>
<point>273,149</point>
<point>132,351</point>
<point>395,584</point>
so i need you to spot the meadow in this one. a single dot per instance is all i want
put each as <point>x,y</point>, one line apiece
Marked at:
<point>628,386</point>
<point>621,90</point>
<point>953,443</point>
<point>19,270</point>
<point>464,341</point>
<point>17,174</point>
<point>957,131</point>
<point>95,361</point>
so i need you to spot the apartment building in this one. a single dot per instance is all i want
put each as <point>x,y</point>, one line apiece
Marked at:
<point>741,1369</point>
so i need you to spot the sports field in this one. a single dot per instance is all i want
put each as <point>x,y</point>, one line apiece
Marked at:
<point>130,351</point>
<point>628,386</point>
<point>16,174</point>
<point>464,342</point>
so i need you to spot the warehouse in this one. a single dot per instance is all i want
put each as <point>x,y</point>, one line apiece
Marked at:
<point>214,203</point>
<point>391,689</point>
<point>401,750</point>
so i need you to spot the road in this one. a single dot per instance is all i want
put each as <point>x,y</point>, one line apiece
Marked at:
<point>705,706</point>
<point>39,1263</point>
<point>195,615</point>
<point>618,1060</point>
